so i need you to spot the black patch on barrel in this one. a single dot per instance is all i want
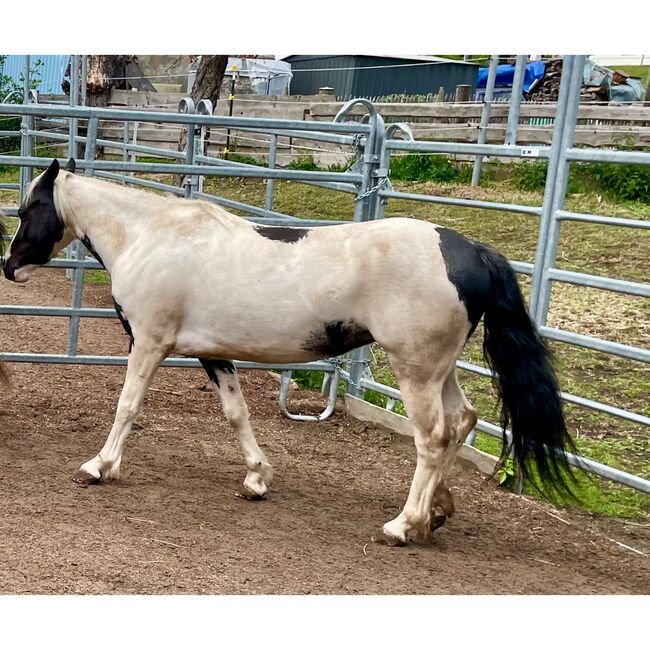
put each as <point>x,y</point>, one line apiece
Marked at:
<point>91,249</point>
<point>466,272</point>
<point>337,338</point>
<point>213,366</point>
<point>282,233</point>
<point>125,323</point>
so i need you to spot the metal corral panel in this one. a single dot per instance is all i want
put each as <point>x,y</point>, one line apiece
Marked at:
<point>50,73</point>
<point>383,76</point>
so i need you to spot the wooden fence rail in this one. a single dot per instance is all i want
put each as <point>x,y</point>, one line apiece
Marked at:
<point>598,125</point>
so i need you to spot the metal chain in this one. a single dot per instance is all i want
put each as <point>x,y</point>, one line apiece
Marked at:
<point>345,375</point>
<point>372,190</point>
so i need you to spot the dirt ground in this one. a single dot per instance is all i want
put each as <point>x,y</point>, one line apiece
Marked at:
<point>172,525</point>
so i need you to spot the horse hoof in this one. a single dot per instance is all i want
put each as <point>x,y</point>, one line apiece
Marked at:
<point>83,479</point>
<point>249,497</point>
<point>387,539</point>
<point>436,522</point>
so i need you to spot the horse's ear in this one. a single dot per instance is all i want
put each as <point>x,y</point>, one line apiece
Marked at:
<point>51,173</point>
<point>71,166</point>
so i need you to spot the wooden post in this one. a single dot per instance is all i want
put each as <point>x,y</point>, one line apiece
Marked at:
<point>462,93</point>
<point>440,97</point>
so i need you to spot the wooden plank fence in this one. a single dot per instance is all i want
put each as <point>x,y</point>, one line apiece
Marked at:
<point>598,125</point>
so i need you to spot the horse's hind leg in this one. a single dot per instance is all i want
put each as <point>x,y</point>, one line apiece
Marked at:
<point>223,376</point>
<point>460,419</point>
<point>421,386</point>
<point>441,419</point>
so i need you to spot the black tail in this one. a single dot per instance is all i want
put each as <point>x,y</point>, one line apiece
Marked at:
<point>525,380</point>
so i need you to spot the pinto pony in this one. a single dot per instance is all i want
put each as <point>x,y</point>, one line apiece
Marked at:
<point>190,278</point>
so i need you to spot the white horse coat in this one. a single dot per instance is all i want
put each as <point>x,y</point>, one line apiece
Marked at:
<point>190,278</point>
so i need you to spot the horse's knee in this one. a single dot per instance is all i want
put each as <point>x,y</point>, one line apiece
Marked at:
<point>459,424</point>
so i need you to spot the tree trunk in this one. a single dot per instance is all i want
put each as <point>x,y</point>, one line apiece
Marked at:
<point>104,74</point>
<point>207,85</point>
<point>209,77</point>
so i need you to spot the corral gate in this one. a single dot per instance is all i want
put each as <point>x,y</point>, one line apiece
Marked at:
<point>367,179</point>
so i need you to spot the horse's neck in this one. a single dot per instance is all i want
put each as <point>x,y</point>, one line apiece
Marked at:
<point>98,214</point>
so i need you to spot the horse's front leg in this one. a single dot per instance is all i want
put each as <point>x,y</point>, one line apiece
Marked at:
<point>224,378</point>
<point>144,359</point>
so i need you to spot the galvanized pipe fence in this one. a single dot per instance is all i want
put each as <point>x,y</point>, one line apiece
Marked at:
<point>368,180</point>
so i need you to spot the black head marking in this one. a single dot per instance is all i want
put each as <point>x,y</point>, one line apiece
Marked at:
<point>213,366</point>
<point>282,233</point>
<point>40,227</point>
<point>337,338</point>
<point>466,272</point>
<point>71,166</point>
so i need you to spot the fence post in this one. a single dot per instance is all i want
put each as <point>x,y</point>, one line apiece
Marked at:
<point>186,105</point>
<point>485,117</point>
<point>204,107</point>
<point>84,78</point>
<point>543,298</point>
<point>550,186</point>
<point>273,155</point>
<point>515,99</point>
<point>25,140</point>
<point>79,249</point>
<point>74,101</point>
<point>367,207</point>
<point>462,93</point>
<point>231,99</point>
<point>125,142</point>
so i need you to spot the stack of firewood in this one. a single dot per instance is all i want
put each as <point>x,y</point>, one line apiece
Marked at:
<point>548,88</point>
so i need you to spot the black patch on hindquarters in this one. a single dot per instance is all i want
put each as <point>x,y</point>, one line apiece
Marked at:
<point>337,338</point>
<point>212,366</point>
<point>91,249</point>
<point>125,323</point>
<point>40,226</point>
<point>282,233</point>
<point>467,272</point>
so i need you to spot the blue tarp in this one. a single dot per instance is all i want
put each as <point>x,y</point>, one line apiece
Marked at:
<point>506,73</point>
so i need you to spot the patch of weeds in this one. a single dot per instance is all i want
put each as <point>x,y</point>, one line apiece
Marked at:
<point>422,167</point>
<point>247,160</point>
<point>96,276</point>
<point>304,163</point>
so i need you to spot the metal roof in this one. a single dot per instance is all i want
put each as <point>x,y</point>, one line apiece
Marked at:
<point>50,72</point>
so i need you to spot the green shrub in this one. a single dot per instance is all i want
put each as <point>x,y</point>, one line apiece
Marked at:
<point>422,167</point>
<point>248,160</point>
<point>530,175</point>
<point>10,143</point>
<point>623,182</point>
<point>464,172</point>
<point>304,163</point>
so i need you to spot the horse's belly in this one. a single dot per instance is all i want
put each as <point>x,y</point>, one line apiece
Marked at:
<point>246,344</point>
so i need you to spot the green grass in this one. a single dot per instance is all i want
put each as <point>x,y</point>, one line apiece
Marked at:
<point>95,276</point>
